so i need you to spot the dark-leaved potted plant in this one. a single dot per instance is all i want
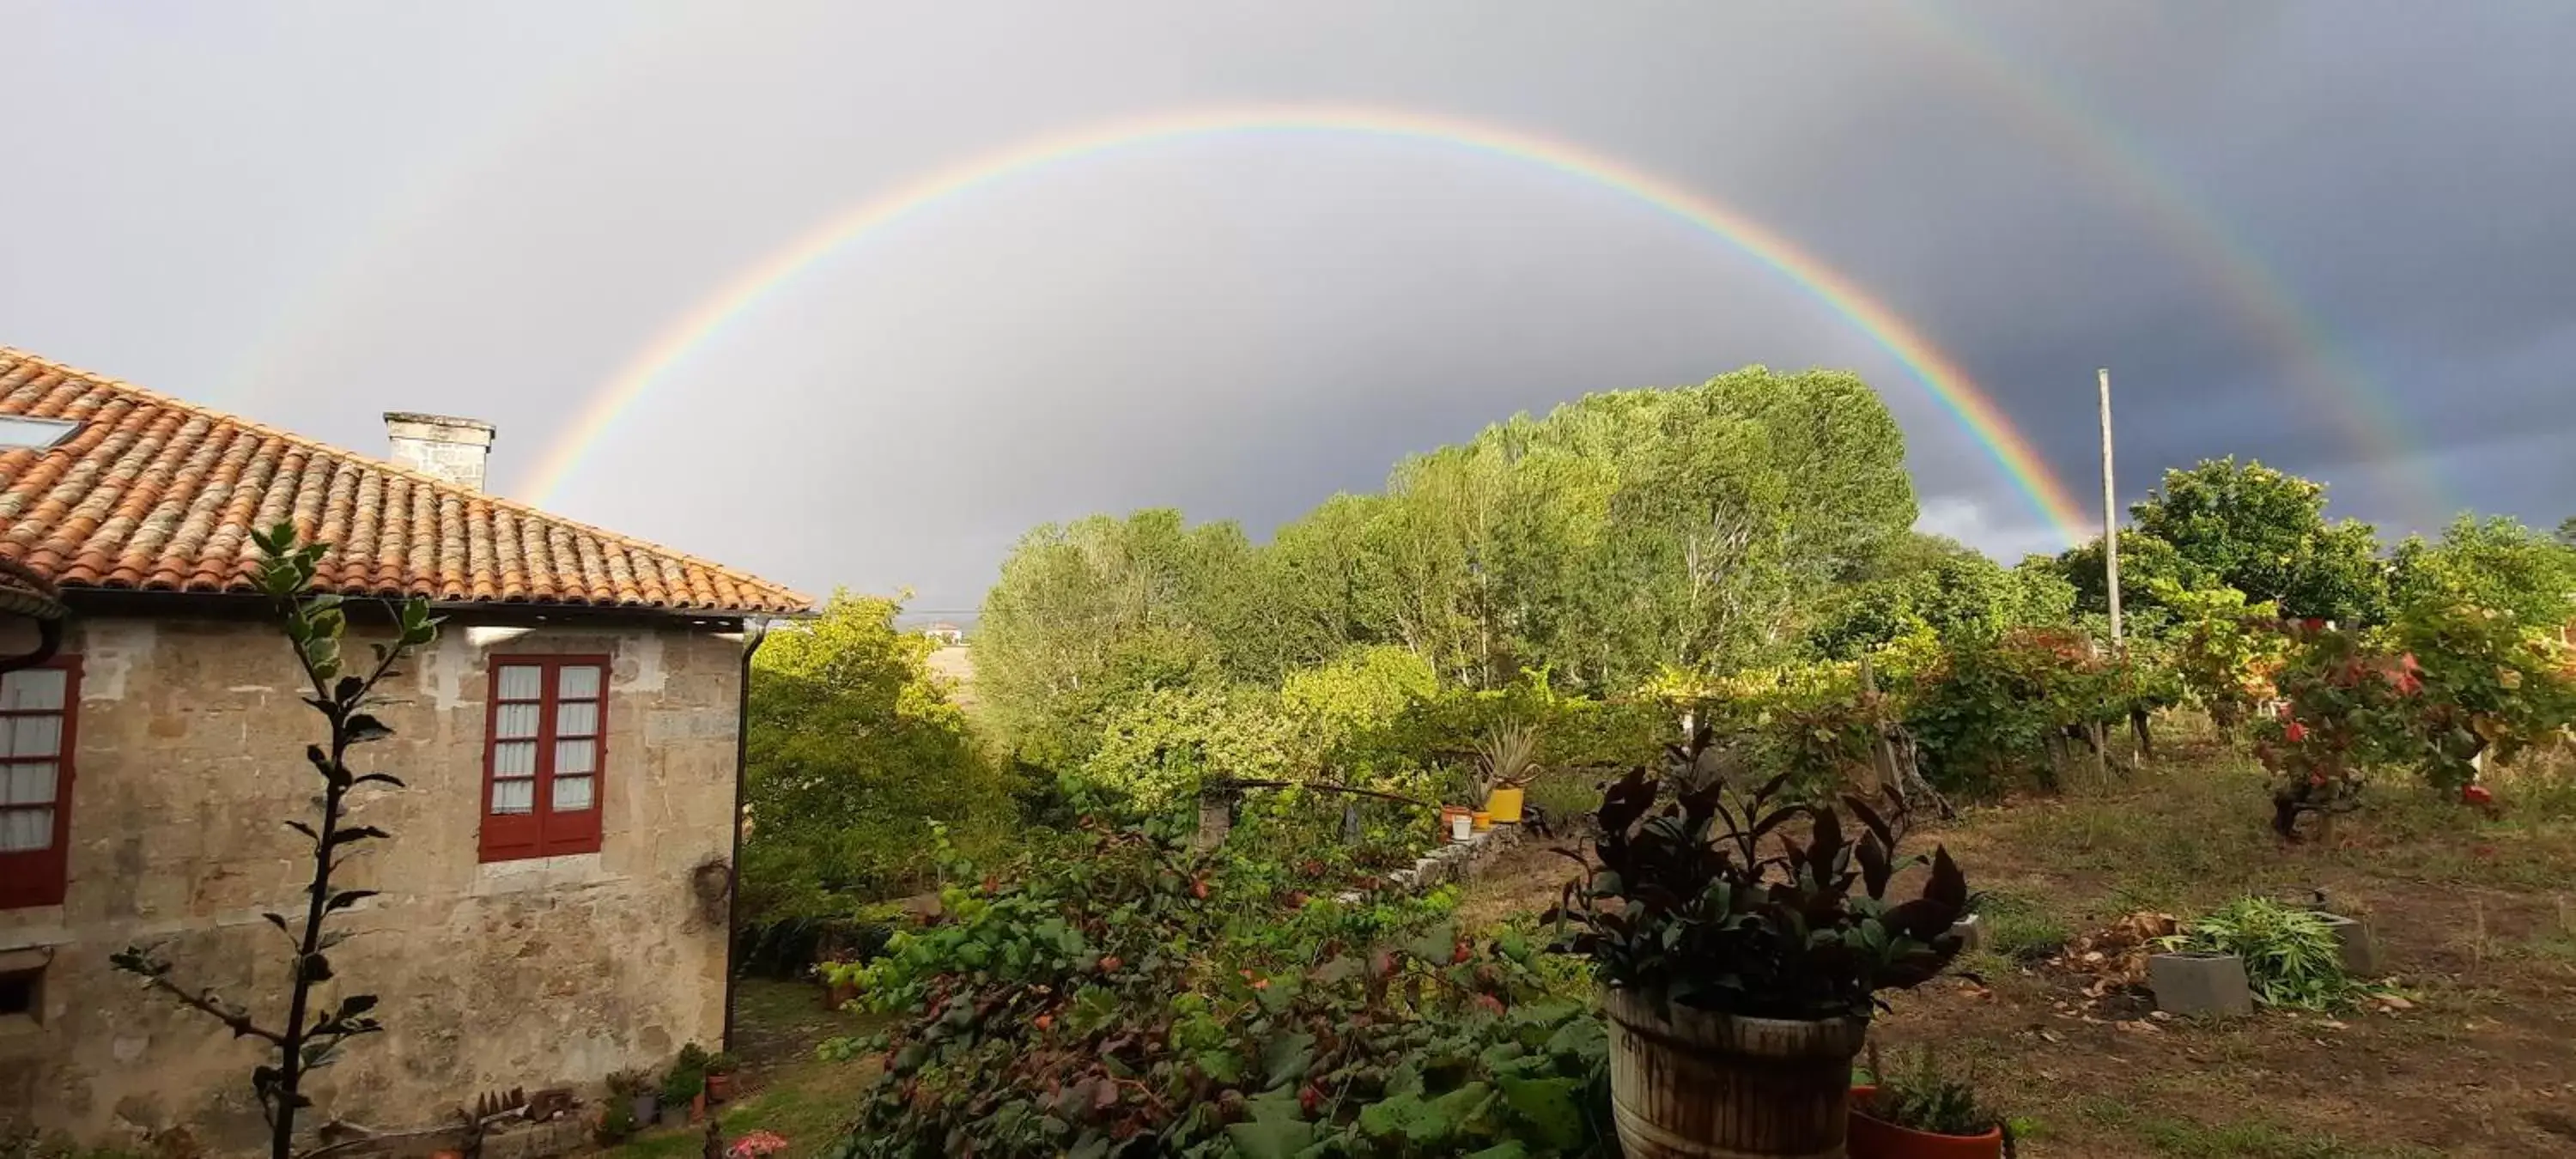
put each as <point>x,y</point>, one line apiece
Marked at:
<point>1740,964</point>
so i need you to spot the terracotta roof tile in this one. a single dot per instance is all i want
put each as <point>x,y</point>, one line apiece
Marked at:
<point>156,494</point>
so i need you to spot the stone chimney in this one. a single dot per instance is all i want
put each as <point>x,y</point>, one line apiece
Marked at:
<point>450,448</point>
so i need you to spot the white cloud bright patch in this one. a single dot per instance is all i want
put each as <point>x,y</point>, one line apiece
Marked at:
<point>1973,523</point>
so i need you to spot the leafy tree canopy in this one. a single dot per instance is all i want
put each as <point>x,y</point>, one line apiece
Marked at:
<point>2494,563</point>
<point>854,750</point>
<point>1618,535</point>
<point>2264,533</point>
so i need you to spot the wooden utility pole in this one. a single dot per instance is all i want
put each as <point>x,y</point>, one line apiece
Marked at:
<point>2110,514</point>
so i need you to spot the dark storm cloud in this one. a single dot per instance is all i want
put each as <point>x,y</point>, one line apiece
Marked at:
<point>314,215</point>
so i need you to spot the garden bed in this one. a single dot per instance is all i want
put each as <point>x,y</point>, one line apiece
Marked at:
<point>2474,917</point>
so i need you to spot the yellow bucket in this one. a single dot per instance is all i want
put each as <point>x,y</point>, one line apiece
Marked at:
<point>1505,805</point>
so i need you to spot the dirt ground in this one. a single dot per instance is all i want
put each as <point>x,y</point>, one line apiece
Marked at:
<point>2476,918</point>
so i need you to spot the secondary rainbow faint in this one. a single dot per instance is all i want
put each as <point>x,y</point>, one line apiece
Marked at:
<point>2337,389</point>
<point>1938,373</point>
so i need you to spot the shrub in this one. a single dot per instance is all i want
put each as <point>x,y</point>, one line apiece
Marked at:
<point>1145,999</point>
<point>2017,929</point>
<point>2431,695</point>
<point>2225,650</point>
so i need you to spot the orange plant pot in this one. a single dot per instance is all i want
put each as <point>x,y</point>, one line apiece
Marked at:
<point>1870,1138</point>
<point>1481,820</point>
<point>719,1087</point>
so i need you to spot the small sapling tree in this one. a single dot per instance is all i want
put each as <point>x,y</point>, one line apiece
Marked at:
<point>308,1038</point>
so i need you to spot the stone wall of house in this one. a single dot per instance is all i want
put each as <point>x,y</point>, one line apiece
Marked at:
<point>516,974</point>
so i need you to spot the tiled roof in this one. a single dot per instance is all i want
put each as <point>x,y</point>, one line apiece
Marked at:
<point>155,494</point>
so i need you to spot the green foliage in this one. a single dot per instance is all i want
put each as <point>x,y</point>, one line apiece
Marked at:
<point>2264,533</point>
<point>1987,706</point>
<point>1936,585</point>
<point>1140,997</point>
<point>1918,1095</point>
<point>1348,710</point>
<point>2018,929</point>
<point>1708,917</point>
<point>1615,536</point>
<point>2449,683</point>
<point>2494,563</point>
<point>1088,615</point>
<point>2291,957</point>
<point>1156,750</point>
<point>684,1081</point>
<point>1815,723</point>
<point>854,750</point>
<point>2224,649</point>
<point>2146,563</point>
<point>617,1122</point>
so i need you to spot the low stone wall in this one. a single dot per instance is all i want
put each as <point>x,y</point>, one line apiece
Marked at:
<point>1457,860</point>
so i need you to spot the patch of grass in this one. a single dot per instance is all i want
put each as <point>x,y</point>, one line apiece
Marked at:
<point>2558,946</point>
<point>2016,928</point>
<point>2255,1139</point>
<point>2104,1110</point>
<point>787,1089</point>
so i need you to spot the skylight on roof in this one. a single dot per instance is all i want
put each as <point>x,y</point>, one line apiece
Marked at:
<point>19,432</point>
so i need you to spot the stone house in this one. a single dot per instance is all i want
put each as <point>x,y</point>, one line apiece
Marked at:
<point>555,897</point>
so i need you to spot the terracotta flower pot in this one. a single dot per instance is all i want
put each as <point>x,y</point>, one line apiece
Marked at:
<point>1449,817</point>
<point>1481,820</point>
<point>698,1107</point>
<point>719,1087</point>
<point>1879,1139</point>
<point>1687,1083</point>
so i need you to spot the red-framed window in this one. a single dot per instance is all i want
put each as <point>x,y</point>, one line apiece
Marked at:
<point>545,756</point>
<point>39,709</point>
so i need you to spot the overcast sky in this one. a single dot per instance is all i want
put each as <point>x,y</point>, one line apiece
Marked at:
<point>2334,236</point>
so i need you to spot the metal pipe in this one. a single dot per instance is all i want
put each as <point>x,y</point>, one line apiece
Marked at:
<point>754,630</point>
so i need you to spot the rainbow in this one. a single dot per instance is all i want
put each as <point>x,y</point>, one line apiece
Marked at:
<point>2338,390</point>
<point>1948,384</point>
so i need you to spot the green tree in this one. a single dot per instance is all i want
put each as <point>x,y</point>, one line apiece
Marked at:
<point>2567,531</point>
<point>1937,584</point>
<point>854,749</point>
<point>1157,748</point>
<point>1616,536</point>
<point>1347,709</point>
<point>2146,564</point>
<point>2264,533</point>
<point>2491,563</point>
<point>1088,614</point>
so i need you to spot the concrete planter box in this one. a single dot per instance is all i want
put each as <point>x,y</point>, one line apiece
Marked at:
<point>2199,985</point>
<point>2360,950</point>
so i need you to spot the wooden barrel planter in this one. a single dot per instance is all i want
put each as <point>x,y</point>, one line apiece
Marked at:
<point>1687,1083</point>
